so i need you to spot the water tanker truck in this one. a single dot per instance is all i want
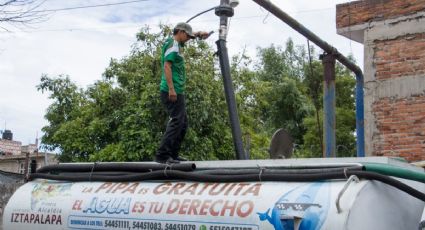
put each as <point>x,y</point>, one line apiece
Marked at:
<point>304,194</point>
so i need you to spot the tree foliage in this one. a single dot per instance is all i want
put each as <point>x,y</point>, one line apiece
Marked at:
<point>345,115</point>
<point>120,117</point>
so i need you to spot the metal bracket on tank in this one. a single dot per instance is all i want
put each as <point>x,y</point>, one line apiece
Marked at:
<point>351,179</point>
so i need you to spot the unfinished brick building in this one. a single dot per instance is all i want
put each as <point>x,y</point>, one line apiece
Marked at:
<point>393,34</point>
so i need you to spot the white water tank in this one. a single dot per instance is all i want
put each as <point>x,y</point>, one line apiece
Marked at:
<point>162,205</point>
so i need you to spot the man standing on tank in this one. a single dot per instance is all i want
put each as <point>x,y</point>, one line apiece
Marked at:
<point>172,89</point>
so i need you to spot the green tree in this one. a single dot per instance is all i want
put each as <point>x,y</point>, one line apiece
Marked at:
<point>289,95</point>
<point>67,96</point>
<point>345,115</point>
<point>247,90</point>
<point>282,101</point>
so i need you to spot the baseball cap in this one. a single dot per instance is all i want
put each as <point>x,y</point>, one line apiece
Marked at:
<point>186,28</point>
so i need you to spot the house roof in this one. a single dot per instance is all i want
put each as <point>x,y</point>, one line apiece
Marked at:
<point>8,177</point>
<point>22,156</point>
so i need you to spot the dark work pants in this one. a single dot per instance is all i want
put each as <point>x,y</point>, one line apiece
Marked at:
<point>176,127</point>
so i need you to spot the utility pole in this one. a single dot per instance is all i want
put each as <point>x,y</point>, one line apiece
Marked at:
<point>329,118</point>
<point>224,11</point>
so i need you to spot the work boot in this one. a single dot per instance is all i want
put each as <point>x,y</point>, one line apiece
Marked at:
<point>166,160</point>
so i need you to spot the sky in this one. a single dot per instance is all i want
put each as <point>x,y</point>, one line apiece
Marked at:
<point>81,42</point>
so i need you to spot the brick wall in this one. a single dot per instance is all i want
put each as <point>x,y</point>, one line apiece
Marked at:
<point>393,32</point>
<point>10,147</point>
<point>401,125</point>
<point>360,12</point>
<point>403,56</point>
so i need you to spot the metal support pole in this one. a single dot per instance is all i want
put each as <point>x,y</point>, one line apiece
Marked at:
<point>26,164</point>
<point>224,11</point>
<point>273,9</point>
<point>329,123</point>
<point>360,116</point>
<point>294,24</point>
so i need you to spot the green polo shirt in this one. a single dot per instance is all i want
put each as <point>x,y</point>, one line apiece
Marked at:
<point>172,52</point>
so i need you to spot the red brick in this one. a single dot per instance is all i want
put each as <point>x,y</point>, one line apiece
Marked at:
<point>406,57</point>
<point>360,12</point>
<point>401,131</point>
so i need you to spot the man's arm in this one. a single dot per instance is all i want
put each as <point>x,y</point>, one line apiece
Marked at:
<point>202,34</point>
<point>172,95</point>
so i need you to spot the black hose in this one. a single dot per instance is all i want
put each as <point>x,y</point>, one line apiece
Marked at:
<point>204,175</point>
<point>189,176</point>
<point>88,174</point>
<point>390,181</point>
<point>154,175</point>
<point>194,176</point>
<point>125,167</point>
<point>277,171</point>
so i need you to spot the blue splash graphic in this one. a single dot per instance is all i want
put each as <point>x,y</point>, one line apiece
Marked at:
<point>308,202</point>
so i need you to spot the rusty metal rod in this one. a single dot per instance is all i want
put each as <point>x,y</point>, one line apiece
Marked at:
<point>266,4</point>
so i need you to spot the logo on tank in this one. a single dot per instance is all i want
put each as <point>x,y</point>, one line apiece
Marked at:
<point>47,190</point>
<point>305,207</point>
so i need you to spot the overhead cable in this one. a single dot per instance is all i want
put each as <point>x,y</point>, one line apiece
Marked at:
<point>88,6</point>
